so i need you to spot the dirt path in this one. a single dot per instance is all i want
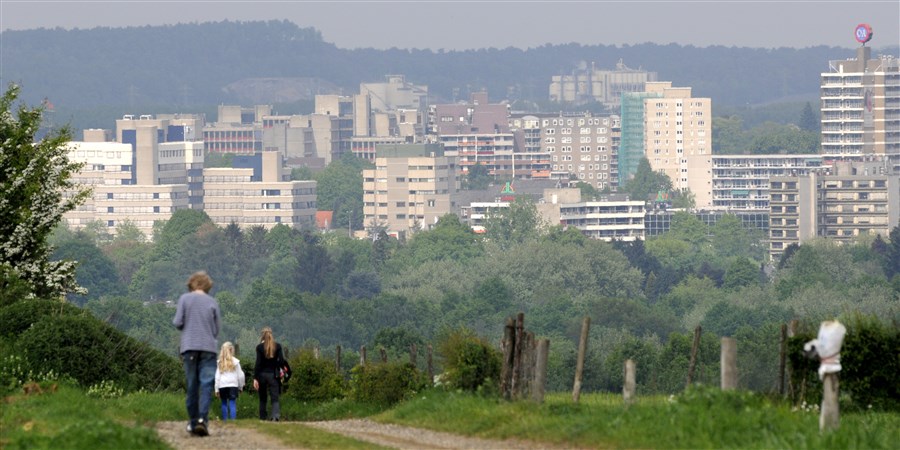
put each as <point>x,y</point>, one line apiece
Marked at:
<point>403,438</point>
<point>221,436</point>
<point>388,435</point>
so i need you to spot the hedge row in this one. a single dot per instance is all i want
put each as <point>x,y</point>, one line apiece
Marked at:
<point>53,335</point>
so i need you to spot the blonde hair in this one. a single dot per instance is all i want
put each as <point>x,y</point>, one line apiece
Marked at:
<point>226,358</point>
<point>199,280</point>
<point>268,342</point>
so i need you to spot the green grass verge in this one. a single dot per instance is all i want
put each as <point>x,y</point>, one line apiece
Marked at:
<point>700,418</point>
<point>69,419</point>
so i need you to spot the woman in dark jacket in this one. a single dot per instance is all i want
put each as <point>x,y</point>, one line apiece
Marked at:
<point>265,374</point>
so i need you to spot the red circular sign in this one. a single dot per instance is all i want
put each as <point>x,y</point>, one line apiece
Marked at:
<point>863,33</point>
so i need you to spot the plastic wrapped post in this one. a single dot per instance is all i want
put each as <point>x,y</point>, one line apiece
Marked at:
<point>827,347</point>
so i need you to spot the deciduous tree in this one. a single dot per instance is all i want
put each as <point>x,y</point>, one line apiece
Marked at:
<point>36,189</point>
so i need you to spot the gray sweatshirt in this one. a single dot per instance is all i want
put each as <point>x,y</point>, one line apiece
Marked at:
<point>198,318</point>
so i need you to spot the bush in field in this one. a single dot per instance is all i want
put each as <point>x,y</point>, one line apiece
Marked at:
<point>314,379</point>
<point>90,351</point>
<point>470,362</point>
<point>21,315</point>
<point>870,367</point>
<point>870,360</point>
<point>385,383</point>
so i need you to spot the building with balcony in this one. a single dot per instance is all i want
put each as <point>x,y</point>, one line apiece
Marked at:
<point>861,107</point>
<point>740,183</point>
<point>851,200</point>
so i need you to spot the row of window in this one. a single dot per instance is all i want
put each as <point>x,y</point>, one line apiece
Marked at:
<point>580,121</point>
<point>139,195</point>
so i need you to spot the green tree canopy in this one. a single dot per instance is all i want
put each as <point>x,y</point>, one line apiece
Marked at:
<point>36,189</point>
<point>647,182</point>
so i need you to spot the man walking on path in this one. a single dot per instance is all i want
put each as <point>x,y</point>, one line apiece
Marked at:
<point>198,318</point>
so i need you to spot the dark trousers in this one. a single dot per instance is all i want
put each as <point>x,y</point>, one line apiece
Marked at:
<point>269,386</point>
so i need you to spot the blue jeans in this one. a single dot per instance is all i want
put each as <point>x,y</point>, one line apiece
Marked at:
<point>200,373</point>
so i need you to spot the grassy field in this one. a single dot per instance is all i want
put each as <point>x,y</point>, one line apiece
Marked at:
<point>700,418</point>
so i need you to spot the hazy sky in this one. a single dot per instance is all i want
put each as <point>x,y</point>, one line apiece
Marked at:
<point>462,24</point>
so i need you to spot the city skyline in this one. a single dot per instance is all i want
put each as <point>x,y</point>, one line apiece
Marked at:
<point>464,24</point>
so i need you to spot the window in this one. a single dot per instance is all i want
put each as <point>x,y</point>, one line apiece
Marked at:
<point>109,195</point>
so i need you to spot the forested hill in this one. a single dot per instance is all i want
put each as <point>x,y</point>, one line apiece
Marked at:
<point>190,65</point>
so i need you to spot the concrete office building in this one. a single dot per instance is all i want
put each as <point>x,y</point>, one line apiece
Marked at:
<point>410,188</point>
<point>258,192</point>
<point>395,93</point>
<point>589,84</point>
<point>850,200</point>
<point>113,170</point>
<point>861,107</point>
<point>237,130</point>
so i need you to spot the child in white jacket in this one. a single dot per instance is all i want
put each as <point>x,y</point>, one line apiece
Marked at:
<point>229,381</point>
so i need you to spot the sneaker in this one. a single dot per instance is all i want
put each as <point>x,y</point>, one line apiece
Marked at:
<point>190,429</point>
<point>200,429</point>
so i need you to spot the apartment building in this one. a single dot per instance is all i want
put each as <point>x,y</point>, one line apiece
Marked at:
<point>478,133</point>
<point>581,147</point>
<point>257,191</point>
<point>852,199</point>
<point>861,107</point>
<point>678,138</point>
<point>607,218</point>
<point>410,188</point>
<point>740,183</point>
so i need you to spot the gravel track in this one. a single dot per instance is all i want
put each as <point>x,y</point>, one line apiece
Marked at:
<point>228,436</point>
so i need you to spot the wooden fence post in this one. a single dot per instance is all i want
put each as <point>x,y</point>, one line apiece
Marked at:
<point>579,365</point>
<point>782,355</point>
<point>237,349</point>
<point>629,386</point>
<point>791,332</point>
<point>695,348</point>
<point>507,345</point>
<point>287,352</point>
<point>316,352</point>
<point>729,374</point>
<point>337,358</point>
<point>429,365</point>
<point>362,355</point>
<point>540,370</point>
<point>515,387</point>
<point>383,354</point>
<point>830,418</point>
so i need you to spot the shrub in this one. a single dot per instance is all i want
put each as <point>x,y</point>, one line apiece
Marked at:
<point>470,362</point>
<point>385,383</point>
<point>314,379</point>
<point>871,363</point>
<point>17,317</point>
<point>91,351</point>
<point>870,368</point>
